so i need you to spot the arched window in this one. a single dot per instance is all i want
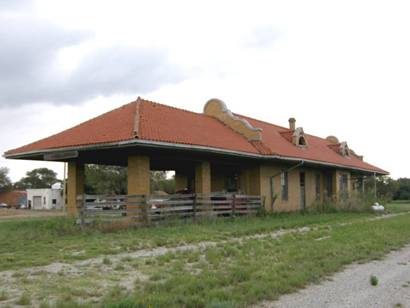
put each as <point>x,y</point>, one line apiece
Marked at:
<point>299,138</point>
<point>302,141</point>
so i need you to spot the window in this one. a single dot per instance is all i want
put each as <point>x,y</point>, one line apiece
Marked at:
<point>317,186</point>
<point>302,141</point>
<point>44,200</point>
<point>343,182</point>
<point>54,201</point>
<point>329,185</point>
<point>231,182</point>
<point>284,185</point>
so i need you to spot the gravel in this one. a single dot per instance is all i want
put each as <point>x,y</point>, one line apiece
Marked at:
<point>352,287</point>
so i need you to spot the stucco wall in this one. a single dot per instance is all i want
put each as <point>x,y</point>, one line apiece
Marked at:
<point>294,194</point>
<point>47,196</point>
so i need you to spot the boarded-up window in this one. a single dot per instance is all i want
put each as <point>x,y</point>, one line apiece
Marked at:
<point>329,185</point>
<point>284,185</point>
<point>317,185</point>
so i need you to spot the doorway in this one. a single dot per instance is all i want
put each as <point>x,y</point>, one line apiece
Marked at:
<point>302,182</point>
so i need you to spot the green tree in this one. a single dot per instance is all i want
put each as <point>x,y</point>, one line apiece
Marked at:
<point>159,182</point>
<point>102,179</point>
<point>5,183</point>
<point>403,189</point>
<point>112,180</point>
<point>37,178</point>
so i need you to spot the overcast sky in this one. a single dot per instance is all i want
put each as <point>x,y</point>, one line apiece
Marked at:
<point>338,67</point>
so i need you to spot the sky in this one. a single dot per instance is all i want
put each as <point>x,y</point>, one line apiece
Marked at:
<point>339,67</point>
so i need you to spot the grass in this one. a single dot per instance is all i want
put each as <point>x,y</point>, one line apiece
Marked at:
<point>24,299</point>
<point>399,206</point>
<point>58,239</point>
<point>229,274</point>
<point>240,274</point>
<point>3,296</point>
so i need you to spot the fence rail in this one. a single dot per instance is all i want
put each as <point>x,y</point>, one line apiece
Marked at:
<point>152,209</point>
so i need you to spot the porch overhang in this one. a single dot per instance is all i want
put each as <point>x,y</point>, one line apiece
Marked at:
<point>66,154</point>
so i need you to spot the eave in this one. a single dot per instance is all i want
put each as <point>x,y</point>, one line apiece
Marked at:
<point>186,147</point>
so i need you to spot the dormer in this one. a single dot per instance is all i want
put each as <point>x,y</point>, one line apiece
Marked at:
<point>339,147</point>
<point>295,135</point>
<point>298,137</point>
<point>344,149</point>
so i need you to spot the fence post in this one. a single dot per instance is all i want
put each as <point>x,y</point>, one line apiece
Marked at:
<point>194,207</point>
<point>146,205</point>
<point>233,205</point>
<point>82,210</point>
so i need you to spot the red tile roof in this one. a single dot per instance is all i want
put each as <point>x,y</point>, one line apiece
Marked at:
<point>149,121</point>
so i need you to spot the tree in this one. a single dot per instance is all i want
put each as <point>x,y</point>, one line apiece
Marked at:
<point>159,182</point>
<point>403,189</point>
<point>37,178</point>
<point>101,179</point>
<point>386,187</point>
<point>112,180</point>
<point>5,183</point>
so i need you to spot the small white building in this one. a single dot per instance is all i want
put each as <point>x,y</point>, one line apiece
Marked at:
<point>45,198</point>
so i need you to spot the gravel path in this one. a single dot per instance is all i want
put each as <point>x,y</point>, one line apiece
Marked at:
<point>352,288</point>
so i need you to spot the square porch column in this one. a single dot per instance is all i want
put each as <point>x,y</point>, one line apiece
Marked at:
<point>138,175</point>
<point>203,178</point>
<point>75,186</point>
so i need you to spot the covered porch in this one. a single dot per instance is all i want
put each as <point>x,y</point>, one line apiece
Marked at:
<point>201,179</point>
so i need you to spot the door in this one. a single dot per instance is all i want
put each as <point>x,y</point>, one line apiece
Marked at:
<point>302,190</point>
<point>37,202</point>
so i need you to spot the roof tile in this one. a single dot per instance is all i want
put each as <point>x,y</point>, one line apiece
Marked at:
<point>151,121</point>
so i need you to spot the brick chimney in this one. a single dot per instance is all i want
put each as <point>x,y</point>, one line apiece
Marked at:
<point>292,124</point>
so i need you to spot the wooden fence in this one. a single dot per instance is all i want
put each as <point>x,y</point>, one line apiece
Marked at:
<point>152,209</point>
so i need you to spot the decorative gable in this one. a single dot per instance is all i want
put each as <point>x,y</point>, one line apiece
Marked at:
<point>217,109</point>
<point>341,148</point>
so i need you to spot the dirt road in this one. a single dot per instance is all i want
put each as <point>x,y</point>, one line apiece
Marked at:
<point>352,288</point>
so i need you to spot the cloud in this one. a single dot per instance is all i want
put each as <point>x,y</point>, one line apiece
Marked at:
<point>119,70</point>
<point>263,36</point>
<point>29,71</point>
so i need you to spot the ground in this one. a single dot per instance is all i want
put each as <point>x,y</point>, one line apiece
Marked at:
<point>6,214</point>
<point>352,287</point>
<point>237,262</point>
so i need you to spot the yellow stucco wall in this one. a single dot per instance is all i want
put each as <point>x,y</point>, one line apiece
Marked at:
<point>294,194</point>
<point>250,180</point>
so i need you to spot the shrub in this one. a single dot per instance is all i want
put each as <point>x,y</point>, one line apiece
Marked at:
<point>357,202</point>
<point>373,280</point>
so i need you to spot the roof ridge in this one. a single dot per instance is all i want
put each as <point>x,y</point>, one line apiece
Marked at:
<point>168,106</point>
<point>286,130</point>
<point>262,121</point>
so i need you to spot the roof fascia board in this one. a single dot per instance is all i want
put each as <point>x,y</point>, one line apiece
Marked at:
<point>161,144</point>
